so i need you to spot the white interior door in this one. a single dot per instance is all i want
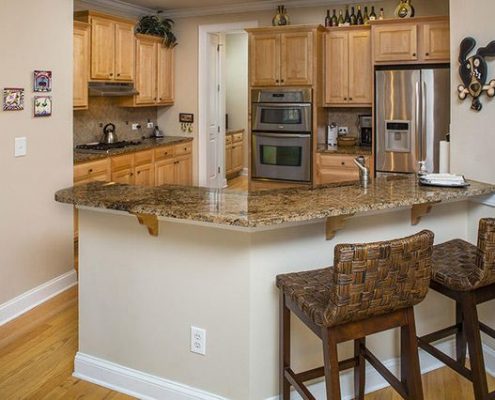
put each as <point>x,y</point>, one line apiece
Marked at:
<point>214,155</point>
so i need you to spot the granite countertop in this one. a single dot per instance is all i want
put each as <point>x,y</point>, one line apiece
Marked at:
<point>267,208</point>
<point>350,150</point>
<point>146,144</point>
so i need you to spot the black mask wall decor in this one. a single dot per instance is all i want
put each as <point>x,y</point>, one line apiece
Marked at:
<point>474,71</point>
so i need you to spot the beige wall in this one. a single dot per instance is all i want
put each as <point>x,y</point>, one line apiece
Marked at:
<point>187,51</point>
<point>35,232</point>
<point>236,59</point>
<point>472,133</point>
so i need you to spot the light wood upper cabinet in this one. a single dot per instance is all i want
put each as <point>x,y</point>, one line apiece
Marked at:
<point>296,58</point>
<point>165,75</point>
<point>348,67</point>
<point>265,59</point>
<point>436,40</point>
<point>80,65</point>
<point>417,40</point>
<point>282,56</point>
<point>146,71</point>
<point>395,42</point>
<point>124,52</point>
<point>112,46</point>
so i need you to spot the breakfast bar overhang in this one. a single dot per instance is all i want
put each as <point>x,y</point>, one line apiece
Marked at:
<point>155,261</point>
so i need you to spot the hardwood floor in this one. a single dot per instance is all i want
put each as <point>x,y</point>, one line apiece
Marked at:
<point>37,359</point>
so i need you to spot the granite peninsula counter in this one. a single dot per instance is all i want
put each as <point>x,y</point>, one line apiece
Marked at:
<point>211,263</point>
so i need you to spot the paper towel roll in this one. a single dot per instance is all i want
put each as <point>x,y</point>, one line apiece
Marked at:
<point>444,157</point>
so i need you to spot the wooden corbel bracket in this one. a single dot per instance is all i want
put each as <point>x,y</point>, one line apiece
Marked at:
<point>418,211</point>
<point>335,224</point>
<point>150,221</point>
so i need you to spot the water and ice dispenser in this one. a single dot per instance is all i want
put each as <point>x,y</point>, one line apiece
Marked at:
<point>398,136</point>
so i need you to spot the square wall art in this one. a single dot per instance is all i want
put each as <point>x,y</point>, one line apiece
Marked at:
<point>13,99</point>
<point>42,106</point>
<point>42,81</point>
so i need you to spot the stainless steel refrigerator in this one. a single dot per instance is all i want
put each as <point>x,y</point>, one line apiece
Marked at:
<point>412,114</point>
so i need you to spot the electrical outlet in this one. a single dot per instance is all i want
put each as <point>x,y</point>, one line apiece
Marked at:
<point>135,127</point>
<point>343,130</point>
<point>20,147</point>
<point>150,125</point>
<point>198,340</point>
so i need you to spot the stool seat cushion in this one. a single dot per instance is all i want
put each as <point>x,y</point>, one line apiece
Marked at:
<point>456,266</point>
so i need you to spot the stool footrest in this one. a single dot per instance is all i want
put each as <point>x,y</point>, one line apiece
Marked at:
<point>298,384</point>
<point>489,331</point>
<point>466,373</point>
<point>389,377</point>
<point>320,371</point>
<point>441,334</point>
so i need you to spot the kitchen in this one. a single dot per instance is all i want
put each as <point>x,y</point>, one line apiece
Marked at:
<point>267,232</point>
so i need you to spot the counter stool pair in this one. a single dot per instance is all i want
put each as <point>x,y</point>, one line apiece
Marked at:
<point>374,287</point>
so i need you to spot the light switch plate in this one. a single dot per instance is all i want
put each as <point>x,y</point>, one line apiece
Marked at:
<point>20,147</point>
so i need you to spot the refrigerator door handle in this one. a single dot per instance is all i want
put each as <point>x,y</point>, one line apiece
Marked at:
<point>419,126</point>
<point>424,128</point>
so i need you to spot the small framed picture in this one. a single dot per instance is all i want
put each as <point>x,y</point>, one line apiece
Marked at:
<point>42,81</point>
<point>42,106</point>
<point>13,99</point>
<point>186,118</point>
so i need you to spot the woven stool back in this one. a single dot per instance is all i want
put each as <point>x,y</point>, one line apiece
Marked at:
<point>485,259</point>
<point>377,278</point>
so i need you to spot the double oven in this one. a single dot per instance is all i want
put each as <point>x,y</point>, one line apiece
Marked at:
<point>281,134</point>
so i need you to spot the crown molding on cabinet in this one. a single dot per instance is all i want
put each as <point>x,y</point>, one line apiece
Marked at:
<point>127,9</point>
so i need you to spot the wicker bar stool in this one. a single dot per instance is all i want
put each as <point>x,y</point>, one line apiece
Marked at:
<point>466,274</point>
<point>372,288</point>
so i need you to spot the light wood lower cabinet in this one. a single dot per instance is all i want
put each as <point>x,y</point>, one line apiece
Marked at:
<point>144,175</point>
<point>335,168</point>
<point>234,153</point>
<point>174,165</point>
<point>165,172</point>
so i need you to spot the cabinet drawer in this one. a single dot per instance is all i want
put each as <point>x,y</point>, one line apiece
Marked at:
<point>337,175</point>
<point>228,139</point>
<point>183,148</point>
<point>143,157</point>
<point>122,162</point>
<point>88,171</point>
<point>237,137</point>
<point>337,161</point>
<point>163,153</point>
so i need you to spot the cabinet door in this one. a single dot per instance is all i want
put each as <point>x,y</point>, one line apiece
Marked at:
<point>264,56</point>
<point>296,58</point>
<point>166,75</point>
<point>228,159</point>
<point>124,52</point>
<point>92,171</point>
<point>237,157</point>
<point>395,42</point>
<point>146,72</point>
<point>144,175</point>
<point>436,41</point>
<point>123,176</point>
<point>102,48</point>
<point>183,170</point>
<point>81,66</point>
<point>360,67</point>
<point>165,172</point>
<point>336,67</point>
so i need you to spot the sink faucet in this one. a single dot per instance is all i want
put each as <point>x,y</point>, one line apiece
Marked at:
<point>364,171</point>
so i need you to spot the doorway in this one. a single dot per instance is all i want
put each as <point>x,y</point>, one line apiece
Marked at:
<point>223,99</point>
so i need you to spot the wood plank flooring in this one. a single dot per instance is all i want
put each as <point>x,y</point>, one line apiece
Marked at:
<point>37,358</point>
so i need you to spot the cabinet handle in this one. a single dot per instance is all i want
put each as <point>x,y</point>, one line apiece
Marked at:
<point>345,98</point>
<point>427,54</point>
<point>111,74</point>
<point>281,80</point>
<point>139,173</point>
<point>276,81</point>
<point>118,74</point>
<point>414,54</point>
<point>350,98</point>
<point>160,99</point>
<point>342,163</point>
<point>90,170</point>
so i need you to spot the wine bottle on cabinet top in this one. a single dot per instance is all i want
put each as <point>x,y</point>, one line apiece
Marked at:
<point>359,16</point>
<point>328,20</point>
<point>373,14</point>
<point>334,21</point>
<point>347,19</point>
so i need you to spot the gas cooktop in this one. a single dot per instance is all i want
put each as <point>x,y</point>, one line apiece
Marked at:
<point>98,148</point>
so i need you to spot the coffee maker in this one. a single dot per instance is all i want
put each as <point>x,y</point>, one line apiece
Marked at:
<point>365,130</point>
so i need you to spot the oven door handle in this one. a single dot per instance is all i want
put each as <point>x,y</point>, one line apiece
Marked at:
<point>282,135</point>
<point>282,105</point>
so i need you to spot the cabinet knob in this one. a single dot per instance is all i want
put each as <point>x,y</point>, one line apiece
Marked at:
<point>345,98</point>
<point>342,163</point>
<point>350,98</point>
<point>414,54</point>
<point>277,81</point>
<point>155,98</point>
<point>160,99</point>
<point>139,173</point>
<point>427,54</point>
<point>111,74</point>
<point>118,74</point>
<point>281,80</point>
<point>90,170</point>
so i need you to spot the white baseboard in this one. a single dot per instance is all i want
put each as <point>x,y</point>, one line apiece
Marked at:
<point>244,172</point>
<point>134,383</point>
<point>34,297</point>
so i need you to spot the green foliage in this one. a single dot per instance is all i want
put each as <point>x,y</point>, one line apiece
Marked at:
<point>153,25</point>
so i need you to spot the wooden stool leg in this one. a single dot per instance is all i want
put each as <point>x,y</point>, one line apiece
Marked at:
<point>284,349</point>
<point>331,363</point>
<point>360,369</point>
<point>473,337</point>
<point>410,370</point>
<point>460,337</point>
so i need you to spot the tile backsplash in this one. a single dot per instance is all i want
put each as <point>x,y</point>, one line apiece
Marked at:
<point>103,110</point>
<point>347,117</point>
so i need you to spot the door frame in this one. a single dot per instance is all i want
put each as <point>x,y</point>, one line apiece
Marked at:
<point>203,31</point>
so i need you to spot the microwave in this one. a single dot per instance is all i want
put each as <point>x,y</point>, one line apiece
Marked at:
<point>281,110</point>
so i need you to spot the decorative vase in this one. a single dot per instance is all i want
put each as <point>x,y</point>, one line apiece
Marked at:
<point>404,9</point>
<point>281,18</point>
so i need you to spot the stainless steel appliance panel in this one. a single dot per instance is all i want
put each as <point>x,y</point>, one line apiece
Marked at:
<point>398,100</point>
<point>281,95</point>
<point>282,117</point>
<point>435,114</point>
<point>281,156</point>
